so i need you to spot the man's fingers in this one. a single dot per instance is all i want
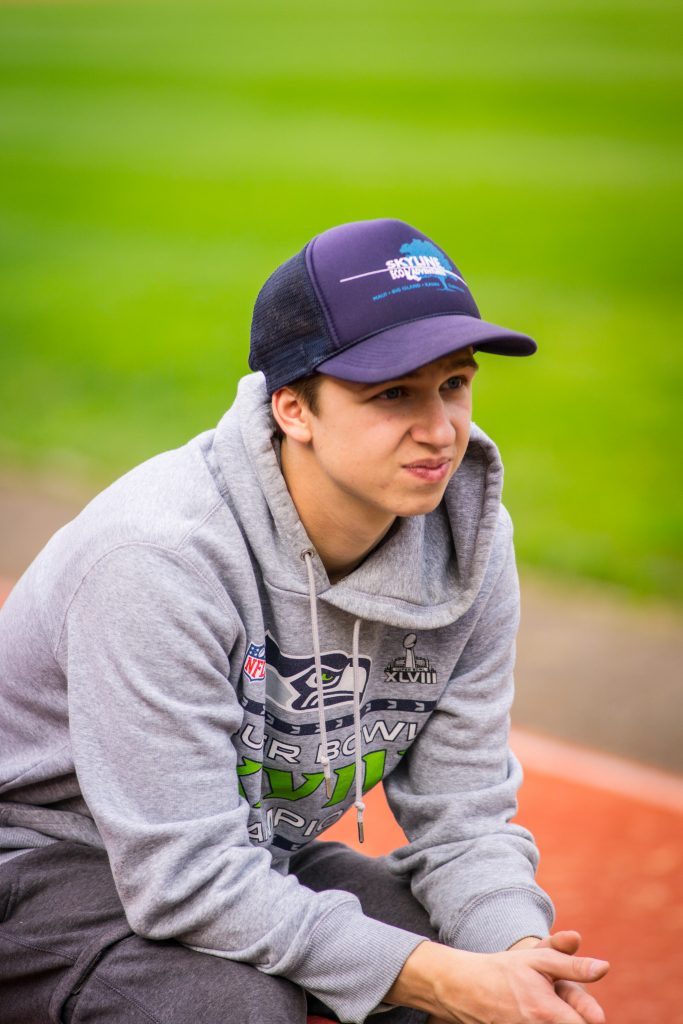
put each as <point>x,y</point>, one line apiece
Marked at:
<point>562,1011</point>
<point>581,1001</point>
<point>572,968</point>
<point>564,942</point>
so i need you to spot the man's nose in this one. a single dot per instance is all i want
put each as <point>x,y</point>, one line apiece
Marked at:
<point>433,425</point>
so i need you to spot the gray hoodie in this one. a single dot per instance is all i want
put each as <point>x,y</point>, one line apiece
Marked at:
<point>162,664</point>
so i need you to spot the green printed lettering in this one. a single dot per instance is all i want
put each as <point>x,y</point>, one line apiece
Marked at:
<point>282,784</point>
<point>342,785</point>
<point>247,767</point>
<point>374,768</point>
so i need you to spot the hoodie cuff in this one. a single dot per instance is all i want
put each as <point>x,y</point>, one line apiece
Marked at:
<point>495,922</point>
<point>350,965</point>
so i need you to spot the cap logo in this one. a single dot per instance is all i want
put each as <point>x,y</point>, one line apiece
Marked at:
<point>419,259</point>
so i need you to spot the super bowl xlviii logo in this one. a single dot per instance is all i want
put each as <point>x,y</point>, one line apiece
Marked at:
<point>291,678</point>
<point>419,259</point>
<point>410,668</point>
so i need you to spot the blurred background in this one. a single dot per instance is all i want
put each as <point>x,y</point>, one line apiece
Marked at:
<point>160,159</point>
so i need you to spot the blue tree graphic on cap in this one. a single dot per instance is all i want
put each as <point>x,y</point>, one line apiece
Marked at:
<point>421,247</point>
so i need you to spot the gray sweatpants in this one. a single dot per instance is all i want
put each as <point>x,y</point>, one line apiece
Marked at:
<point>68,956</point>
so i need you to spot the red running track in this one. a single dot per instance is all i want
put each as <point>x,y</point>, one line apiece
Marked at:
<point>611,839</point>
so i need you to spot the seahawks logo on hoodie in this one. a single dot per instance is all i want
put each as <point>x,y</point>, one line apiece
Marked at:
<point>290,680</point>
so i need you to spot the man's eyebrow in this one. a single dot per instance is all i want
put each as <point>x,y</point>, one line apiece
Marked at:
<point>458,361</point>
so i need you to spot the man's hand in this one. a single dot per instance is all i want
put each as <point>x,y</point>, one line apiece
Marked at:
<point>517,987</point>
<point>572,993</point>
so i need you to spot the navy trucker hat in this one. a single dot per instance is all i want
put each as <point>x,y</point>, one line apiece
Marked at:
<point>368,301</point>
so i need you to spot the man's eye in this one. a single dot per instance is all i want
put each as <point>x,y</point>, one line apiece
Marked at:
<point>454,383</point>
<point>391,393</point>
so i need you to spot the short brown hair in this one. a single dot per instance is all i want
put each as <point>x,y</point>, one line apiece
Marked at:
<point>307,390</point>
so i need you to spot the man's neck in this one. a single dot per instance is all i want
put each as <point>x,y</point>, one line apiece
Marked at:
<point>342,535</point>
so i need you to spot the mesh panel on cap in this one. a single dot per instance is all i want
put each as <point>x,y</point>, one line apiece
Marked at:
<point>289,333</point>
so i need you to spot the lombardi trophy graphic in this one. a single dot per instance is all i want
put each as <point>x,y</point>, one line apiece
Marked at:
<point>410,668</point>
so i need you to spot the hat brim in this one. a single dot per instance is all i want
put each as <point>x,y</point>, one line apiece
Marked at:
<point>401,350</point>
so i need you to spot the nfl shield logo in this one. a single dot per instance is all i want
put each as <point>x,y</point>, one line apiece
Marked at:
<point>255,662</point>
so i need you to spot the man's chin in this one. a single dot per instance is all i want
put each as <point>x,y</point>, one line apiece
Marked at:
<point>421,506</point>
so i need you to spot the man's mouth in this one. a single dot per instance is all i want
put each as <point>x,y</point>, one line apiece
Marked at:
<point>430,470</point>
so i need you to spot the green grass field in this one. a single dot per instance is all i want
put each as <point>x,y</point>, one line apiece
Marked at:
<point>158,160</point>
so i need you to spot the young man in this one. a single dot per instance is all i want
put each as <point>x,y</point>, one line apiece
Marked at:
<point>238,639</point>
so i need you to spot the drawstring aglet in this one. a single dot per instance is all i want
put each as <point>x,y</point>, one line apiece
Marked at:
<point>328,777</point>
<point>360,807</point>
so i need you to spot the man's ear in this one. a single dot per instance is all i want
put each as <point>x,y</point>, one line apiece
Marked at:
<point>291,415</point>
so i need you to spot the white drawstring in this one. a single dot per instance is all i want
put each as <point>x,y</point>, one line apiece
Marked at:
<point>307,556</point>
<point>324,757</point>
<point>358,803</point>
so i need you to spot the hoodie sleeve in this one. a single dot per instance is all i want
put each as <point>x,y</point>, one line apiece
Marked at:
<point>146,650</point>
<point>455,793</point>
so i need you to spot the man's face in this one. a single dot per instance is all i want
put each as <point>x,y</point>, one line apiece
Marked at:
<point>393,447</point>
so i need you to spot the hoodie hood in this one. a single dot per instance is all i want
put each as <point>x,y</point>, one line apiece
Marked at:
<point>425,575</point>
